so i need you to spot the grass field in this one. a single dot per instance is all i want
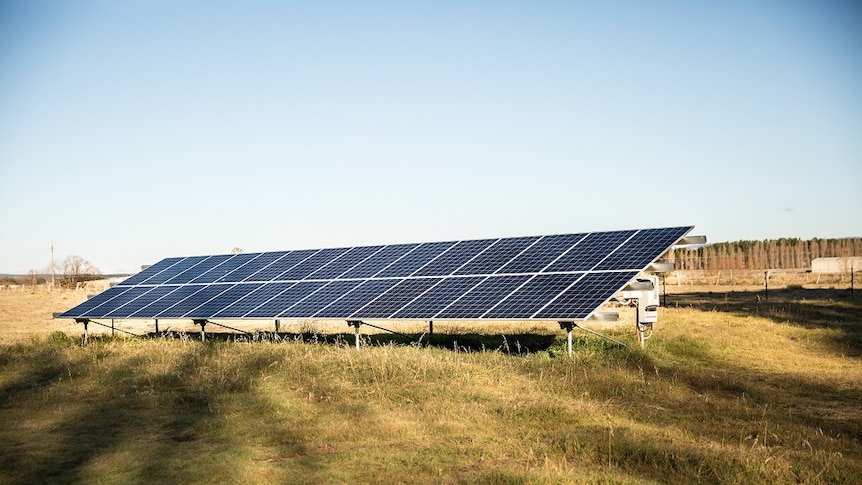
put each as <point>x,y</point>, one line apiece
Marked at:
<point>731,389</point>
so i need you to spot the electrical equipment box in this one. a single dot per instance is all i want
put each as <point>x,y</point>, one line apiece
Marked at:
<point>645,289</point>
<point>647,313</point>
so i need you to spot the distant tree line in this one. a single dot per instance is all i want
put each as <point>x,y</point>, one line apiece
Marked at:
<point>72,271</point>
<point>784,253</point>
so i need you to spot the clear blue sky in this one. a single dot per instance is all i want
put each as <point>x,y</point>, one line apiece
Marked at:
<point>132,131</point>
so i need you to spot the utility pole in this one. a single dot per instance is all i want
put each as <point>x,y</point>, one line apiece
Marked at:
<point>52,265</point>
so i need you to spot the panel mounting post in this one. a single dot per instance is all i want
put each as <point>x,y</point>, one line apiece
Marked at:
<point>85,321</point>
<point>157,324</point>
<point>568,326</point>
<point>277,326</point>
<point>355,324</point>
<point>202,323</point>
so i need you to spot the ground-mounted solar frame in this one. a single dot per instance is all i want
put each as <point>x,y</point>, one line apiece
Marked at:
<point>555,277</point>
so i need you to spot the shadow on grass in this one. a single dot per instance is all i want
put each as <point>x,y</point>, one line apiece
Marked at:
<point>736,421</point>
<point>78,416</point>
<point>518,344</point>
<point>806,308</point>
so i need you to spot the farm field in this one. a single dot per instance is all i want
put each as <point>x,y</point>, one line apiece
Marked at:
<point>732,388</point>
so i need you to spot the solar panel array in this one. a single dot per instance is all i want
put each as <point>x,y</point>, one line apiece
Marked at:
<point>565,276</point>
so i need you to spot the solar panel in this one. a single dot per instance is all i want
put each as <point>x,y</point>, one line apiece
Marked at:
<point>228,266</point>
<point>396,298</point>
<point>379,260</point>
<point>359,296</point>
<point>257,264</point>
<point>87,308</point>
<point>415,259</point>
<point>196,299</point>
<point>312,264</point>
<point>252,300</point>
<point>151,271</point>
<point>347,261</point>
<point>164,303</point>
<point>316,301</point>
<point>587,294</point>
<point>457,256</point>
<point>287,298</point>
<point>538,256</point>
<point>532,296</point>
<point>482,297</point>
<point>282,265</point>
<point>590,251</point>
<point>438,297</point>
<point>173,271</point>
<point>503,251</point>
<point>221,301</point>
<point>197,270</point>
<point>564,276</point>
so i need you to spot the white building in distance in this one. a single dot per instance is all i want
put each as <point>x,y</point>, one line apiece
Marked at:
<point>836,265</point>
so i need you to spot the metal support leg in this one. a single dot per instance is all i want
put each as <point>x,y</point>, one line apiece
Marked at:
<point>157,325</point>
<point>203,324</point>
<point>568,326</point>
<point>277,326</point>
<point>355,324</point>
<point>86,331</point>
<point>112,327</point>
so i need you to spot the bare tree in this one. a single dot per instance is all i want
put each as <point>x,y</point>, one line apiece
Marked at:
<point>76,269</point>
<point>32,278</point>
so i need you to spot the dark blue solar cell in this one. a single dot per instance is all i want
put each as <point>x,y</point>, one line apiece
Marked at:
<point>253,266</point>
<point>590,251</point>
<point>454,258</point>
<point>220,271</point>
<point>344,262</point>
<point>586,295</point>
<point>198,298</point>
<point>108,309</point>
<point>286,299</point>
<point>84,309</point>
<point>188,275</point>
<point>541,254</point>
<point>358,297</point>
<point>531,297</point>
<point>493,258</point>
<point>643,248</point>
<point>439,297</point>
<point>312,264</point>
<point>396,298</point>
<point>151,271</point>
<point>253,300</point>
<point>210,308</point>
<point>174,270</point>
<point>276,269</point>
<point>483,296</point>
<point>378,261</point>
<point>415,259</point>
<point>179,294</point>
<point>130,308</point>
<point>320,298</point>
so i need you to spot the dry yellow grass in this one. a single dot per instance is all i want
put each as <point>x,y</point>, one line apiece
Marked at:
<point>730,390</point>
<point>26,312</point>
